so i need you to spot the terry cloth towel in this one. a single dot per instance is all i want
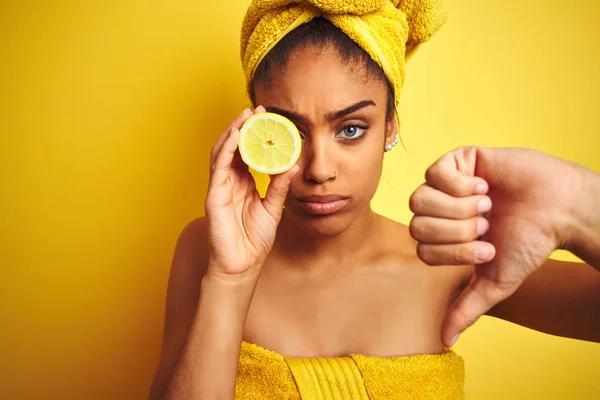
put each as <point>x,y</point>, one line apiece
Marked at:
<point>265,374</point>
<point>388,30</point>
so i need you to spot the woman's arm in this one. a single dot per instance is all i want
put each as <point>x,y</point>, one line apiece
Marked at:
<point>204,323</point>
<point>534,203</point>
<point>561,298</point>
<point>583,238</point>
<point>215,270</point>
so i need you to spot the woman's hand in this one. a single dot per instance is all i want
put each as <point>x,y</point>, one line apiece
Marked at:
<point>532,195</point>
<point>241,224</point>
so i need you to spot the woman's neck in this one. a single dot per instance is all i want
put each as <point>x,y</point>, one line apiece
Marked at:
<point>294,243</point>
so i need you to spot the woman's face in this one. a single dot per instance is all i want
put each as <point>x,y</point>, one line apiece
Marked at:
<point>341,114</point>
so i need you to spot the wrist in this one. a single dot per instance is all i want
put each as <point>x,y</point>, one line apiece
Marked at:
<point>217,272</point>
<point>242,283</point>
<point>229,280</point>
<point>230,300</point>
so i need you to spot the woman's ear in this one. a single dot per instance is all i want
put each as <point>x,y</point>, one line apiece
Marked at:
<point>391,130</point>
<point>391,136</point>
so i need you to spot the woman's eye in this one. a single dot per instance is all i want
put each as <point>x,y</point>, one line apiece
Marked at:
<point>352,132</point>
<point>302,135</point>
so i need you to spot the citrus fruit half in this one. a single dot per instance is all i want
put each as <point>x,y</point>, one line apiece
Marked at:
<point>269,143</point>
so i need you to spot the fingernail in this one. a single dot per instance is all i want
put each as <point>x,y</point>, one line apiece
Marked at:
<point>454,339</point>
<point>483,253</point>
<point>482,226</point>
<point>484,205</point>
<point>481,188</point>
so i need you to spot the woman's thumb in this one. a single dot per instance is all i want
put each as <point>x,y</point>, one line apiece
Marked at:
<point>476,299</point>
<point>277,192</point>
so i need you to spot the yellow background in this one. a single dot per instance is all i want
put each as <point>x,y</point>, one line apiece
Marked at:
<point>107,113</point>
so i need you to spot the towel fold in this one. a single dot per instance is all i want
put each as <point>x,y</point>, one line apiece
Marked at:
<point>265,374</point>
<point>389,31</point>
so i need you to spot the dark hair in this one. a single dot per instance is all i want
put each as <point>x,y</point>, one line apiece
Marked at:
<point>319,33</point>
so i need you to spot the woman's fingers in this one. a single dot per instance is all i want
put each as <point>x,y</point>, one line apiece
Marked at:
<point>448,223</point>
<point>221,167</point>
<point>236,123</point>
<point>259,109</point>
<point>431,202</point>
<point>237,162</point>
<point>277,192</point>
<point>480,295</point>
<point>431,230</point>
<point>475,252</point>
<point>454,174</point>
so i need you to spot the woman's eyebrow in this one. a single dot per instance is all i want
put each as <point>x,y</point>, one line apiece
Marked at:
<point>329,116</point>
<point>349,110</point>
<point>288,114</point>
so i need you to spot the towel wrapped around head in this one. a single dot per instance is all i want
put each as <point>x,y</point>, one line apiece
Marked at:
<point>388,30</point>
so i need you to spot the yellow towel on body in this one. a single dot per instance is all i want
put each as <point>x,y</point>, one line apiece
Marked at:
<point>265,374</point>
<point>389,31</point>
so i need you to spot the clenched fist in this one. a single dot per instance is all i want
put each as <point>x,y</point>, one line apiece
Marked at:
<point>503,209</point>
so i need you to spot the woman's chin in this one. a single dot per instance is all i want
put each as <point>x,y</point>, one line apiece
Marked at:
<point>321,226</point>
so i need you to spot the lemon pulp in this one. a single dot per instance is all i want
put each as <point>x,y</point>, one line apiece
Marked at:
<point>270,143</point>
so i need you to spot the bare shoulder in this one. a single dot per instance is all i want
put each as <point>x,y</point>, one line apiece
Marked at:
<point>400,244</point>
<point>395,236</point>
<point>191,250</point>
<point>190,260</point>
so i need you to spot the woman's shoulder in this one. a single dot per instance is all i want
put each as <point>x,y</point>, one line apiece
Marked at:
<point>398,247</point>
<point>197,226</point>
<point>195,232</point>
<point>397,233</point>
<point>191,249</point>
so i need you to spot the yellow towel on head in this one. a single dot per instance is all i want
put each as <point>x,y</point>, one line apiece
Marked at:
<point>389,31</point>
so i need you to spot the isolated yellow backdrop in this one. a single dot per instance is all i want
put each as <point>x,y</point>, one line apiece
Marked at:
<point>108,110</point>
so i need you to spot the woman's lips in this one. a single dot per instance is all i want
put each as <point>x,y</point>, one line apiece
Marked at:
<point>322,206</point>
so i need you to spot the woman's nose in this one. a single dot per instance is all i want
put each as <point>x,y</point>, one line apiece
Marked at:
<point>318,159</point>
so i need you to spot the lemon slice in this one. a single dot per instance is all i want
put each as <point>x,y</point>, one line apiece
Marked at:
<point>269,143</point>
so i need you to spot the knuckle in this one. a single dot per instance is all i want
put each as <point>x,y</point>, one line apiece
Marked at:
<point>467,319</point>
<point>464,255</point>
<point>243,116</point>
<point>416,201</point>
<point>411,227</point>
<point>209,203</point>
<point>431,173</point>
<point>424,253</point>
<point>207,206</point>
<point>469,151</point>
<point>417,228</point>
<point>460,186</point>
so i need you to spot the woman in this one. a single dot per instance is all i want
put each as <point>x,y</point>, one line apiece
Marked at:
<point>326,299</point>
